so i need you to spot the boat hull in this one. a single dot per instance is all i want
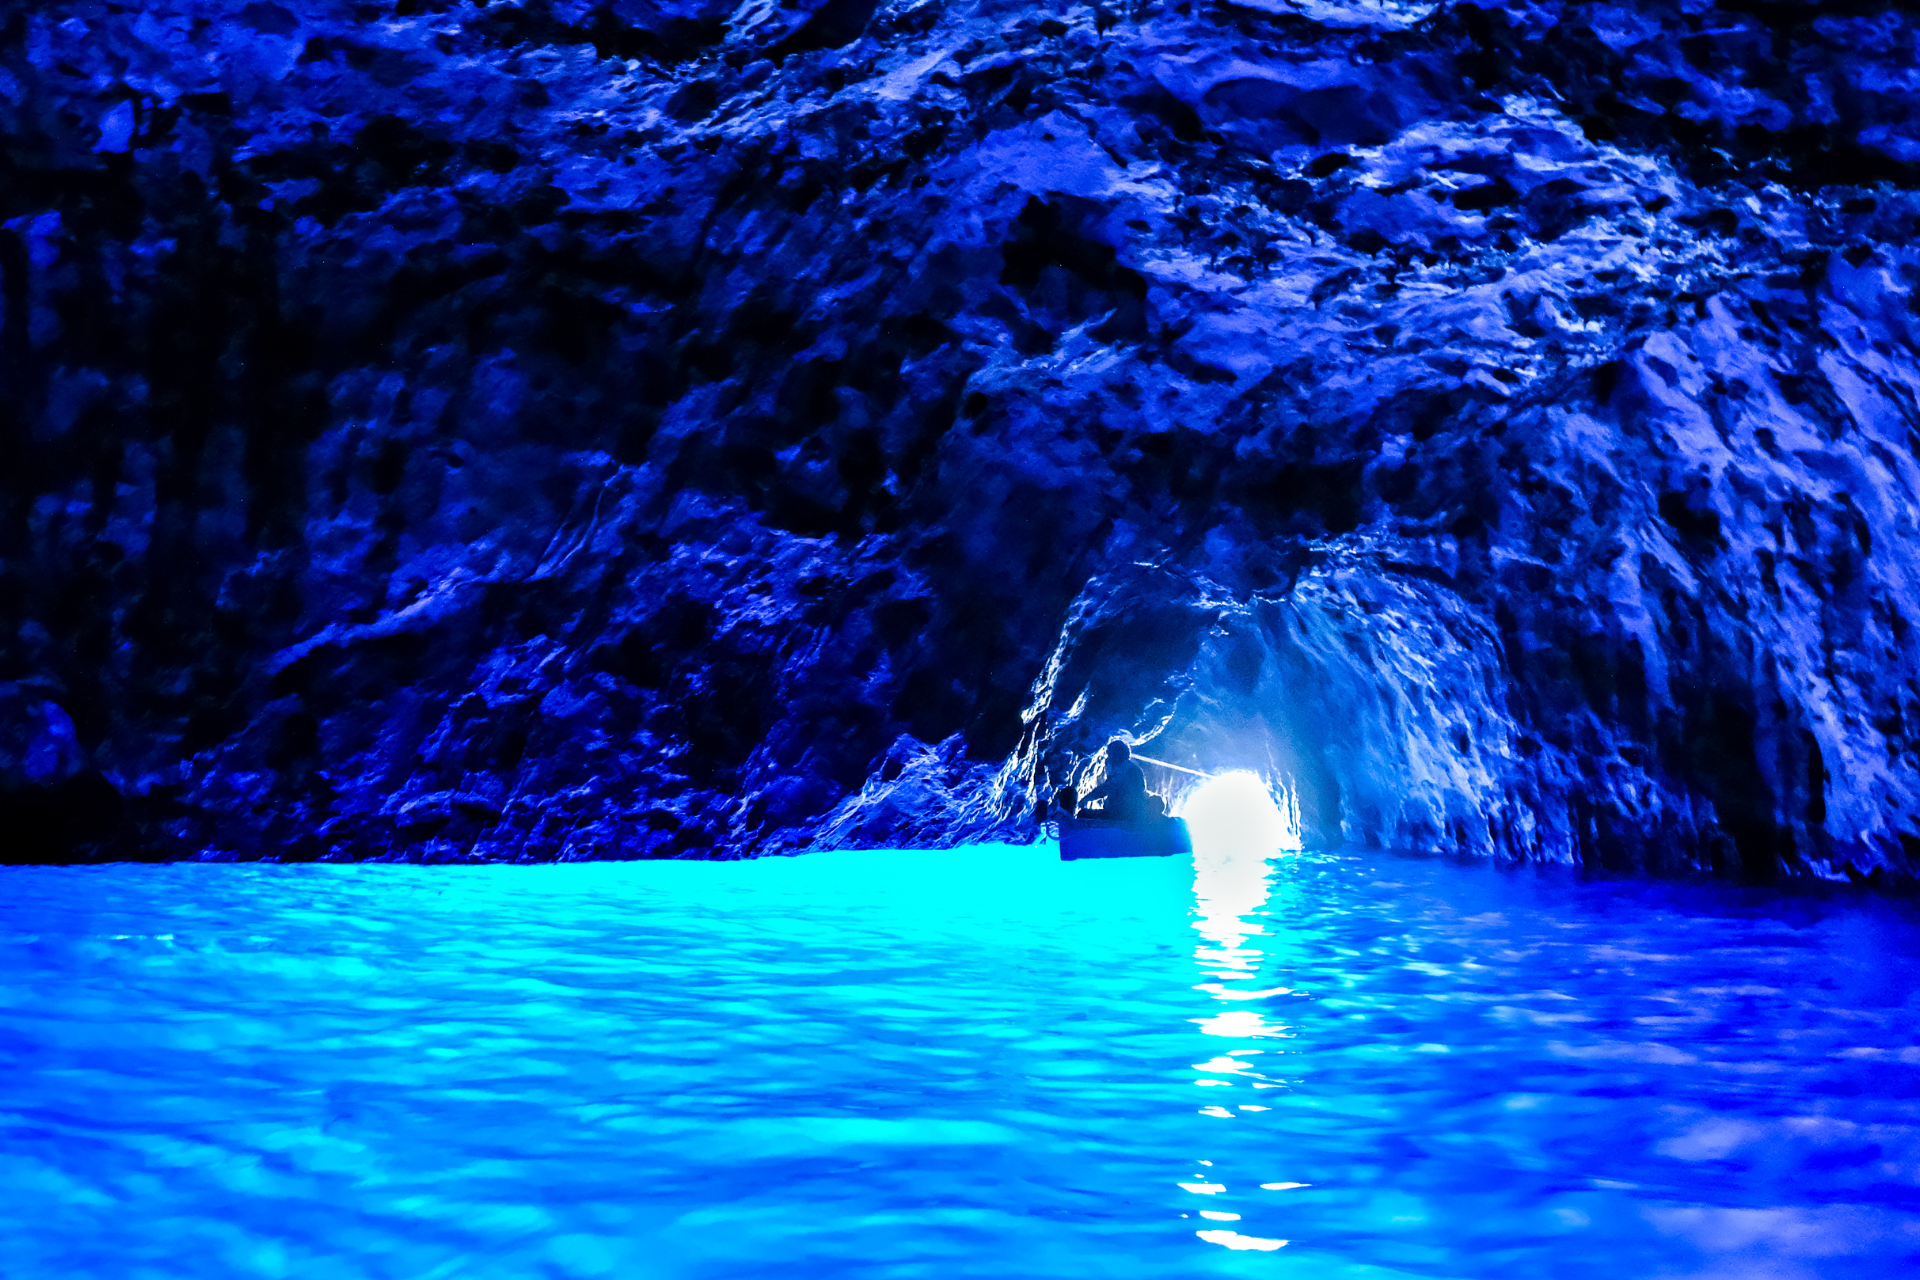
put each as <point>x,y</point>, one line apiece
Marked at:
<point>1093,838</point>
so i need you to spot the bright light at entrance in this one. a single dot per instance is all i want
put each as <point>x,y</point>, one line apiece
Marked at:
<point>1236,829</point>
<point>1234,814</point>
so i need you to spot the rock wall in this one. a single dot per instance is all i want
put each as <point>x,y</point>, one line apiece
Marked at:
<point>555,430</point>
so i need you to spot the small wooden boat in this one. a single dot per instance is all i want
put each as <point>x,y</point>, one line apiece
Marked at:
<point>1105,838</point>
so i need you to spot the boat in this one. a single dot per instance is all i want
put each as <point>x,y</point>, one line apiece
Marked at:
<point>1106,838</point>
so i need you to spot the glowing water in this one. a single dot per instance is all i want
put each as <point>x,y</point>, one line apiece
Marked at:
<point>978,1063</point>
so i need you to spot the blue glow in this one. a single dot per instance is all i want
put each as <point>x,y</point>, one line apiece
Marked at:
<point>975,1063</point>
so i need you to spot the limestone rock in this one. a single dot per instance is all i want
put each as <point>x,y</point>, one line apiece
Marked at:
<point>557,429</point>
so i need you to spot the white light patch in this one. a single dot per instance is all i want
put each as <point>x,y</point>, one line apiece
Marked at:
<point>1234,1240</point>
<point>1234,814</point>
<point>1237,1024</point>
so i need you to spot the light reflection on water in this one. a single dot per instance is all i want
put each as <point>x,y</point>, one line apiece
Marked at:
<point>978,1062</point>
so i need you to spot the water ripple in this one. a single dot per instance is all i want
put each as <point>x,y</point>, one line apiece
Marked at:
<point>975,1063</point>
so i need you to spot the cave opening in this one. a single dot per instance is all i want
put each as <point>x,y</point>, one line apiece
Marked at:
<point>1239,814</point>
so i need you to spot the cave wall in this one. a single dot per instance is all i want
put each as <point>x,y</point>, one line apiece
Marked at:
<point>553,430</point>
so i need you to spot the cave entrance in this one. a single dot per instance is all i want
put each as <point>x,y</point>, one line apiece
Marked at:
<point>1237,814</point>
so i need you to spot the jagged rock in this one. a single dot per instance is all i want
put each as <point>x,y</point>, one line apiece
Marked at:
<point>550,430</point>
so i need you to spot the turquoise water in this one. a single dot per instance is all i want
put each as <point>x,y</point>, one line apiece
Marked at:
<point>980,1062</point>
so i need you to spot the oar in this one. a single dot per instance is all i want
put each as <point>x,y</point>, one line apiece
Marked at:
<point>1165,764</point>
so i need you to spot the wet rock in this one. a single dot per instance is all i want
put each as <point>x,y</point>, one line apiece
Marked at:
<point>52,801</point>
<point>39,747</point>
<point>562,429</point>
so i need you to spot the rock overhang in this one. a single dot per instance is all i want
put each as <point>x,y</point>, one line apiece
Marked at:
<point>638,356</point>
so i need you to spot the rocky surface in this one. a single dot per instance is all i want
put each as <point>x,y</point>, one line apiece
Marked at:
<point>555,430</point>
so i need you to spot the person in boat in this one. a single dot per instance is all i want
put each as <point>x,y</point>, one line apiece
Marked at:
<point>1061,804</point>
<point>1123,796</point>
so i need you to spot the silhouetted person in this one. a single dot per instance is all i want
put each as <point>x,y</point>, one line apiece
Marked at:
<point>1123,796</point>
<point>1061,804</point>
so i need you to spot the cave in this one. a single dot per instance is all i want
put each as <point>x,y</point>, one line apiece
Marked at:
<point>1473,446</point>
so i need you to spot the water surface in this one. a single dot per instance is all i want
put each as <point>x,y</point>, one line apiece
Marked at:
<point>974,1063</point>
